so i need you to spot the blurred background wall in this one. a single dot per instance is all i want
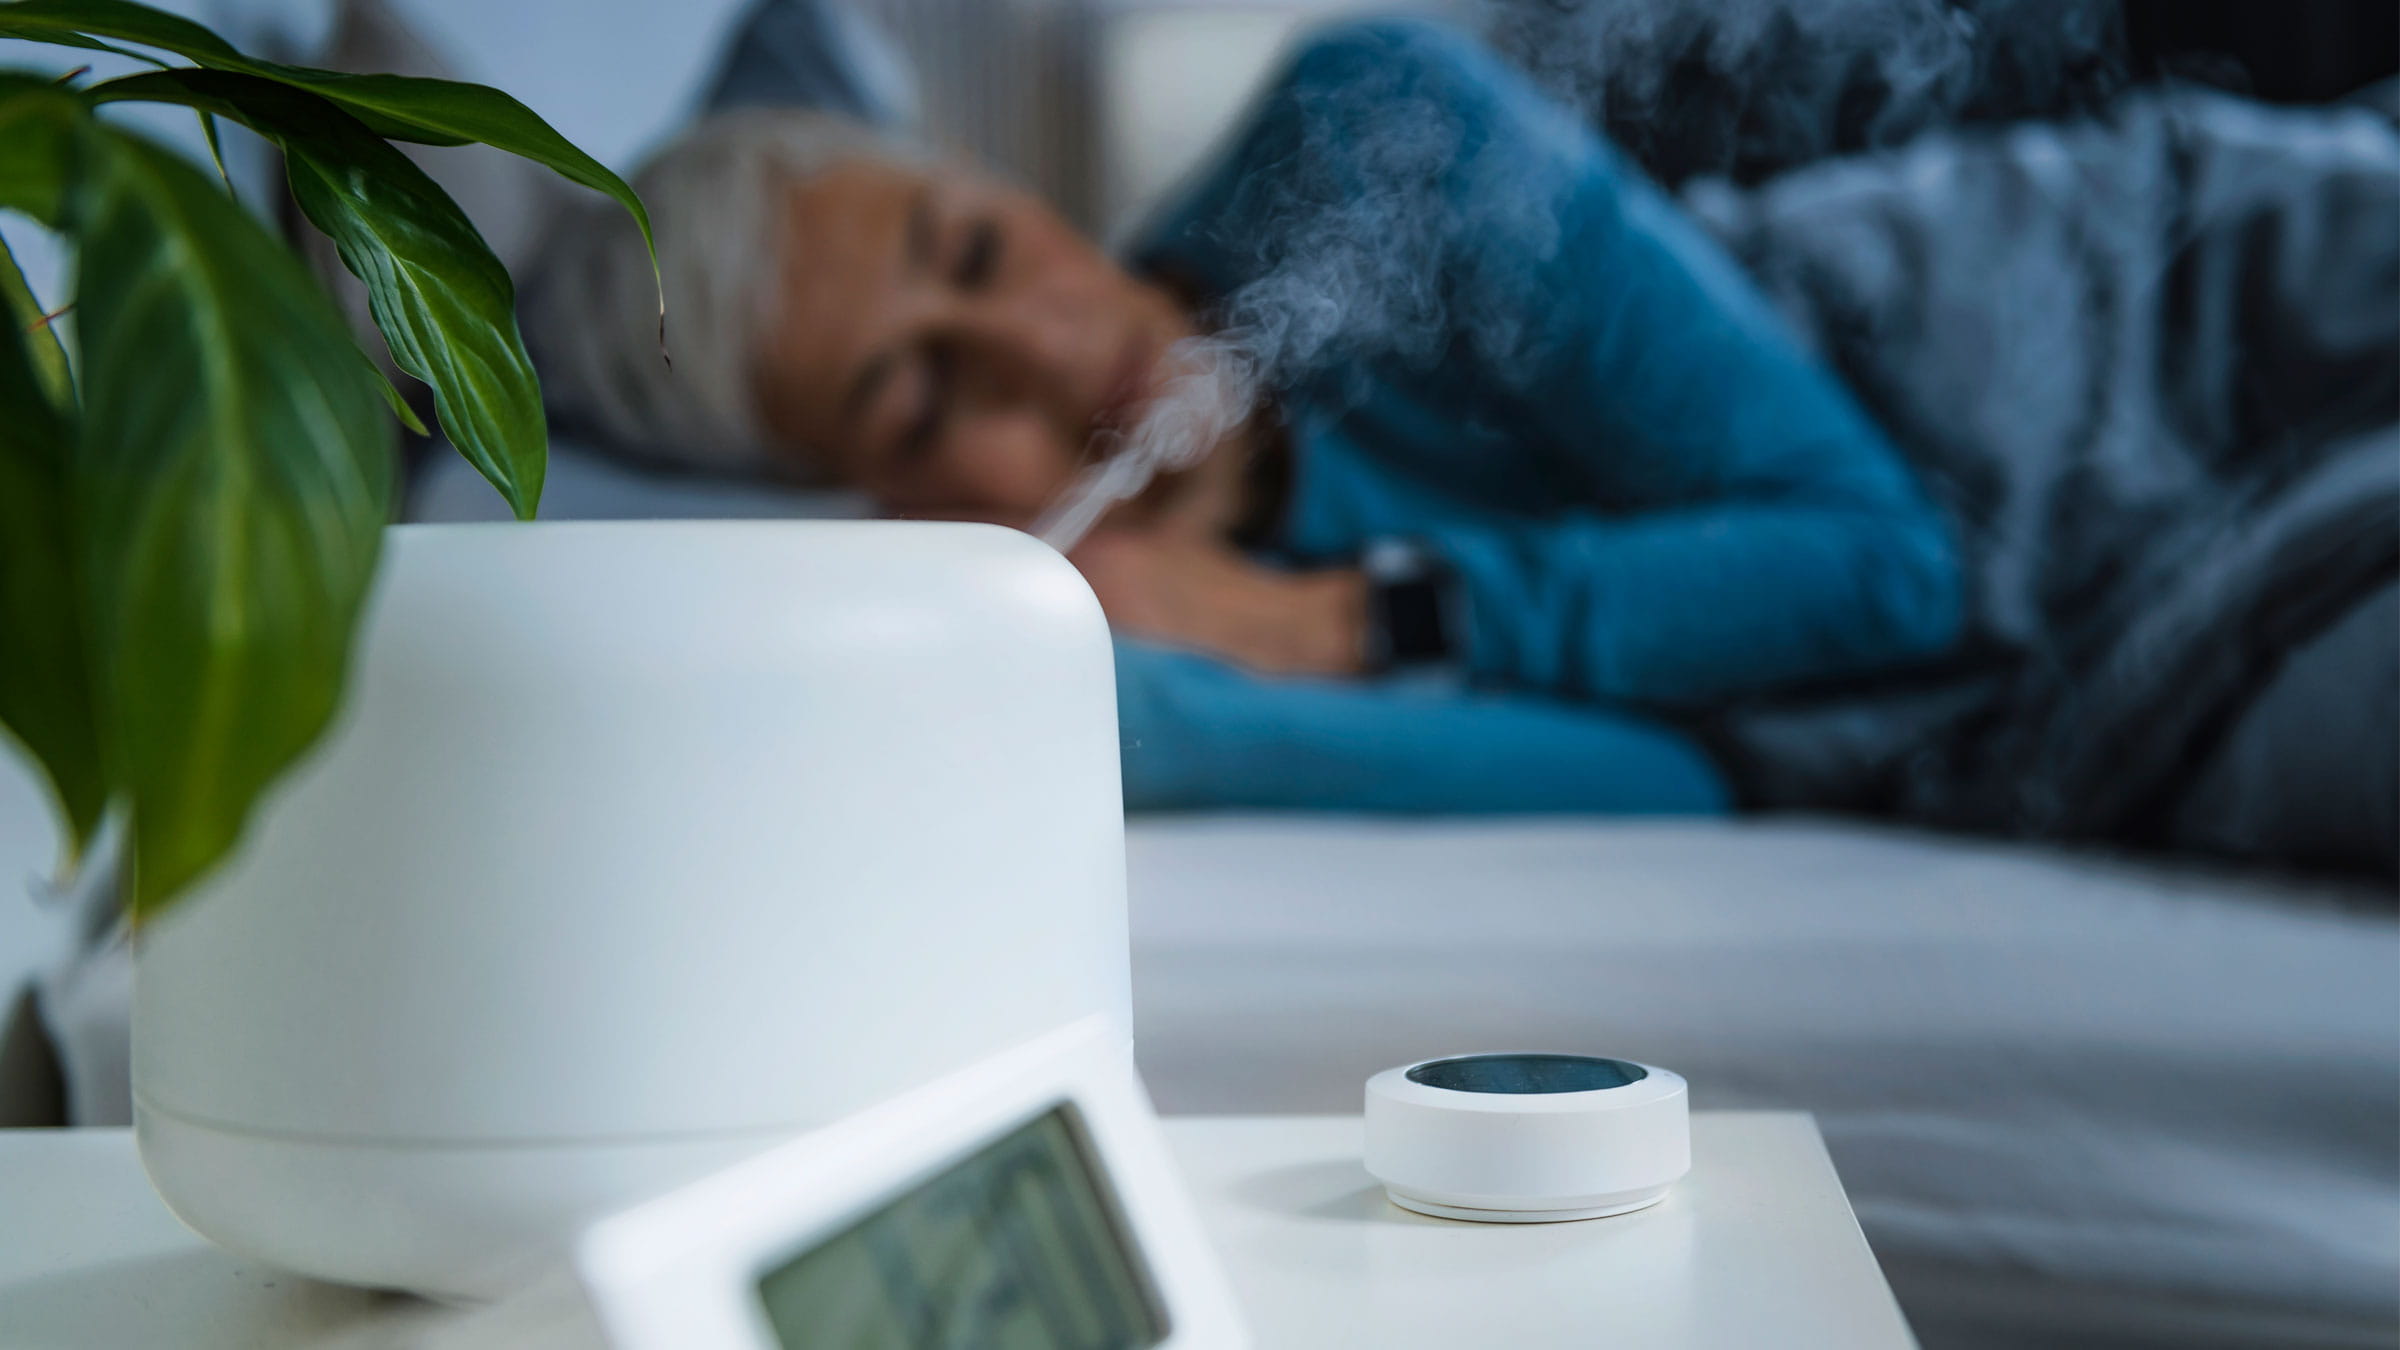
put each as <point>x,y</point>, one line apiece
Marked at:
<point>1100,104</point>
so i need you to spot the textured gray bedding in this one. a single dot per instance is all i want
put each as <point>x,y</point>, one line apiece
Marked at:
<point>2076,1101</point>
<point>2151,363</point>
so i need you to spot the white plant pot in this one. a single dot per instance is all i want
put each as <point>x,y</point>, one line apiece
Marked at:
<point>636,848</point>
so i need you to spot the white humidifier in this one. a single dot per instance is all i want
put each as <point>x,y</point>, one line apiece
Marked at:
<point>636,849</point>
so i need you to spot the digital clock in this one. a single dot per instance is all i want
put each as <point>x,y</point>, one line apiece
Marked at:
<point>1025,1203</point>
<point>1016,1245</point>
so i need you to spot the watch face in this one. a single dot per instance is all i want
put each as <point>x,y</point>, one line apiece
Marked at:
<point>1412,604</point>
<point>1019,1247</point>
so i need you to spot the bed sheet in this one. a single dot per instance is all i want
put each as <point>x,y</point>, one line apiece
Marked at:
<point>2136,1090</point>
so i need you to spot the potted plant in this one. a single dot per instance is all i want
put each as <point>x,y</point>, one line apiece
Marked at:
<point>631,849</point>
<point>193,489</point>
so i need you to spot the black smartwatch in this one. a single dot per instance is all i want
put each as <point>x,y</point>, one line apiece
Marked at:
<point>1412,606</point>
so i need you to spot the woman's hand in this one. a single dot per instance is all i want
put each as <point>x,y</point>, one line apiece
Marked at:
<point>1196,593</point>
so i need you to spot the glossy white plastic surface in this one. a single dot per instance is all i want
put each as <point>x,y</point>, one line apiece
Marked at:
<point>1502,1157</point>
<point>1755,1250</point>
<point>636,848</point>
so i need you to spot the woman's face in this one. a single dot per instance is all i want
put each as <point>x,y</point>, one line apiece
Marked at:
<point>949,345</point>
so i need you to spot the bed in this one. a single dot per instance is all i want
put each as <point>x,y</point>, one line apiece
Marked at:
<point>2076,1100</point>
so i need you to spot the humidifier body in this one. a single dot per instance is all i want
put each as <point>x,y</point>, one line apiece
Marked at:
<point>635,849</point>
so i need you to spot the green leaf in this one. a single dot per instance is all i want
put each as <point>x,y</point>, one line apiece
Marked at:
<point>216,152</point>
<point>434,112</point>
<point>443,301</point>
<point>39,121</point>
<point>233,479</point>
<point>66,39</point>
<point>393,400</point>
<point>71,22</point>
<point>23,313</point>
<point>45,679</point>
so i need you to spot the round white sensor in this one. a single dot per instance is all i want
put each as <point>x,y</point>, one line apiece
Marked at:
<point>1527,1138</point>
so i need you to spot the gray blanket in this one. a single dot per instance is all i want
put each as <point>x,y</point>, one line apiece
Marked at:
<point>2151,364</point>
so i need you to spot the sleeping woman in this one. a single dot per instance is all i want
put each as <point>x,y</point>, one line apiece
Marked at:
<point>1550,501</point>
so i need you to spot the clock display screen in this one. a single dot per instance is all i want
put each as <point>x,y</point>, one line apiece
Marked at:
<point>1016,1248</point>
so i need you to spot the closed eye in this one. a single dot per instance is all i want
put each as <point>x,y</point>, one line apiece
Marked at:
<point>980,259</point>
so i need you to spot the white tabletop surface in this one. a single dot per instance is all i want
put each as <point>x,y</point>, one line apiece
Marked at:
<point>1757,1247</point>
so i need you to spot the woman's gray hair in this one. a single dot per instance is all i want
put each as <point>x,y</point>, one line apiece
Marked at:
<point>590,311</point>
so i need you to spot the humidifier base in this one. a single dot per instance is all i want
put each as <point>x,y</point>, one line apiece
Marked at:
<point>458,1222</point>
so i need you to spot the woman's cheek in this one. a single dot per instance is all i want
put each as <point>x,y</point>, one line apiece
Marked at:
<point>1012,463</point>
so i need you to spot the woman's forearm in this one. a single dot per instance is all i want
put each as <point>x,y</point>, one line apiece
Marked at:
<point>1198,733</point>
<point>1683,607</point>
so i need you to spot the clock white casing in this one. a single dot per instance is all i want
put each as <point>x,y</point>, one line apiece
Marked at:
<point>635,850</point>
<point>685,1269</point>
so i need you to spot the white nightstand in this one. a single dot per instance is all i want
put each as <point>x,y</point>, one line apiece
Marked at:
<point>1756,1248</point>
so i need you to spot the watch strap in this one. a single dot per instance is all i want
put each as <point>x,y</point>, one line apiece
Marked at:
<point>1411,606</point>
